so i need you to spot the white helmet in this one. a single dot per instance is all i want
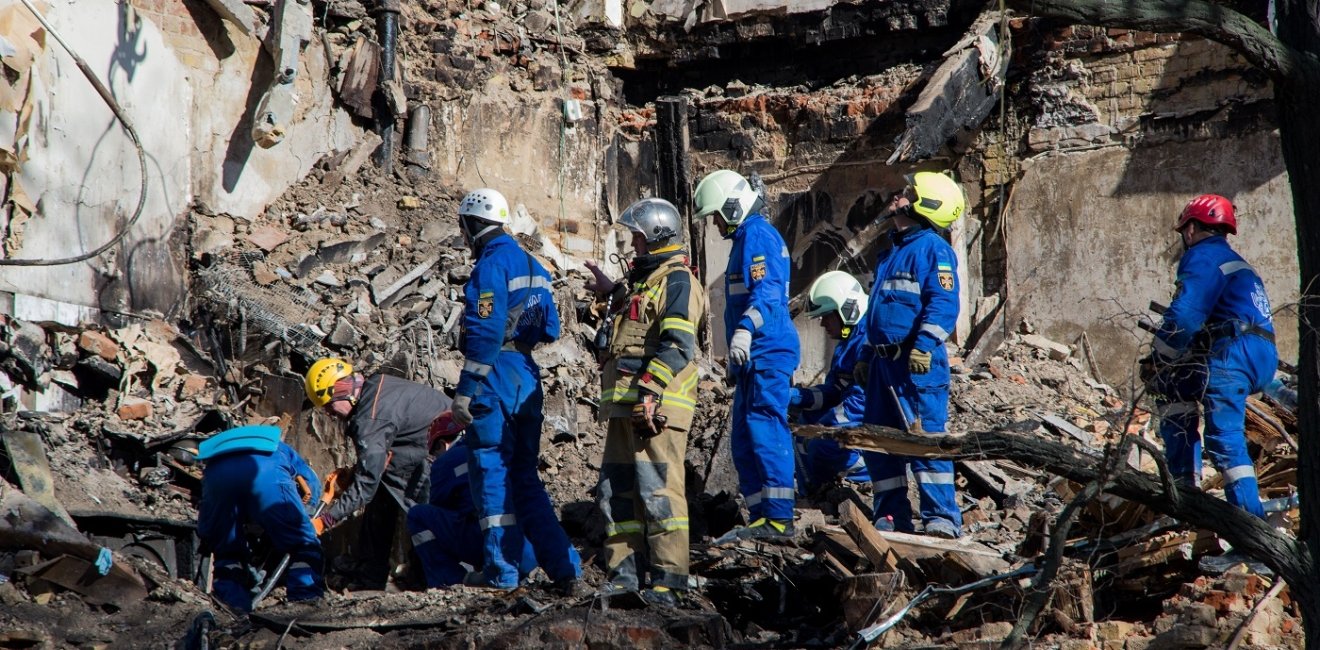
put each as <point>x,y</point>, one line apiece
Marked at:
<point>485,204</point>
<point>727,193</point>
<point>839,292</point>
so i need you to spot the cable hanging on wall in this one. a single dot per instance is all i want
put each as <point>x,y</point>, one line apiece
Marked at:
<point>128,128</point>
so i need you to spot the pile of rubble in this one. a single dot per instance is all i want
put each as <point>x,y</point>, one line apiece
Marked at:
<point>122,481</point>
<point>97,505</point>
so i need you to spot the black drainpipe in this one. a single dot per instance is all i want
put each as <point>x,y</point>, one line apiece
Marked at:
<point>387,29</point>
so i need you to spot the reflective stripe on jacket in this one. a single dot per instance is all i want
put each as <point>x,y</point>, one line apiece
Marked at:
<point>1216,288</point>
<point>655,340</point>
<point>914,301</point>
<point>756,285</point>
<point>507,299</point>
<point>840,400</point>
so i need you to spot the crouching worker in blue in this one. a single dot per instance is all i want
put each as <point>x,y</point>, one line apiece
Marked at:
<point>1214,348</point>
<point>839,301</point>
<point>508,310</point>
<point>250,476</point>
<point>913,309</point>
<point>444,531</point>
<point>763,352</point>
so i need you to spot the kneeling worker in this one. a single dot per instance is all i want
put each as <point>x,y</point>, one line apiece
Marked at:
<point>250,476</point>
<point>388,419</point>
<point>839,301</point>
<point>445,532</point>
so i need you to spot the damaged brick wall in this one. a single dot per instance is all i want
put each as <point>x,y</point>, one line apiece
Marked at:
<point>1110,133</point>
<point>182,25</point>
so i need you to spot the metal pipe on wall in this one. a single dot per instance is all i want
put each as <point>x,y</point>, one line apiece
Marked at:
<point>387,30</point>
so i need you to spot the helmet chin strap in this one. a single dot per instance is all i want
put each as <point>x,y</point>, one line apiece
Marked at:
<point>467,223</point>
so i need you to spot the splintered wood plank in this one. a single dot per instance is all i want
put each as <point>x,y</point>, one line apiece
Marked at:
<point>868,539</point>
<point>965,555</point>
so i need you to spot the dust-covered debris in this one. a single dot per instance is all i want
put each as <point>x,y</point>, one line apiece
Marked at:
<point>369,265</point>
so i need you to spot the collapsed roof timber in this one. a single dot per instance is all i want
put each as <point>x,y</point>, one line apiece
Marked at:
<point>275,229</point>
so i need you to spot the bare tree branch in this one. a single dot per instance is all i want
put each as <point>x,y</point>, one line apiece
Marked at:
<point>1213,21</point>
<point>1245,532</point>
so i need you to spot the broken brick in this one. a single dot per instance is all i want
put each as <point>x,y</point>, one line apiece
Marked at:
<point>94,342</point>
<point>193,385</point>
<point>267,238</point>
<point>134,408</point>
<point>263,275</point>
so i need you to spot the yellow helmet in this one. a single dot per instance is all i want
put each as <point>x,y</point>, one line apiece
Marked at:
<point>321,378</point>
<point>939,198</point>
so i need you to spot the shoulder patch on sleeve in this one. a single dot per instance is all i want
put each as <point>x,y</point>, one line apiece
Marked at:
<point>485,304</point>
<point>757,271</point>
<point>946,278</point>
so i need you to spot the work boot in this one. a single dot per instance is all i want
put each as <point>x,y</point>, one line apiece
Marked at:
<point>615,589</point>
<point>942,529</point>
<point>618,596</point>
<point>767,529</point>
<point>663,596</point>
<point>570,588</point>
<point>479,580</point>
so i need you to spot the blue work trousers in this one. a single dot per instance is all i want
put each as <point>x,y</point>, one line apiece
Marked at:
<point>447,539</point>
<point>241,488</point>
<point>761,443</point>
<point>505,442</point>
<point>1217,387</point>
<point>824,461</point>
<point>905,406</point>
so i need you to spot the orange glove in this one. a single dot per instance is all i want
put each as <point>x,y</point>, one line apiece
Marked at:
<point>336,482</point>
<point>304,490</point>
<point>321,524</point>
<point>647,423</point>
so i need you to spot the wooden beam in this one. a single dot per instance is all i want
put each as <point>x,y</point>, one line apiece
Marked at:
<point>863,532</point>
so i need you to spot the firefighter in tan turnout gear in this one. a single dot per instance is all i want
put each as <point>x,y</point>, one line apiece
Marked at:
<point>648,396</point>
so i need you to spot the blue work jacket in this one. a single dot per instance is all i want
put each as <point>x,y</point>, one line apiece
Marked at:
<point>756,294</point>
<point>507,304</point>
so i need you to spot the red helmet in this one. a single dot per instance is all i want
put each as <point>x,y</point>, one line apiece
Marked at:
<point>1211,210</point>
<point>443,426</point>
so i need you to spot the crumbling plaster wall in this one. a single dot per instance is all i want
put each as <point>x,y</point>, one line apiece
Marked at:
<point>1131,126</point>
<point>230,71</point>
<point>523,146</point>
<point>78,171</point>
<point>189,82</point>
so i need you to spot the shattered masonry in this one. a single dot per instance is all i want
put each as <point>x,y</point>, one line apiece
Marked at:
<point>250,260</point>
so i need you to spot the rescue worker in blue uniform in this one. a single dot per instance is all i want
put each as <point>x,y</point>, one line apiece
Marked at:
<point>250,476</point>
<point>763,352</point>
<point>1214,347</point>
<point>839,301</point>
<point>444,531</point>
<point>388,419</point>
<point>913,310</point>
<point>508,309</point>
